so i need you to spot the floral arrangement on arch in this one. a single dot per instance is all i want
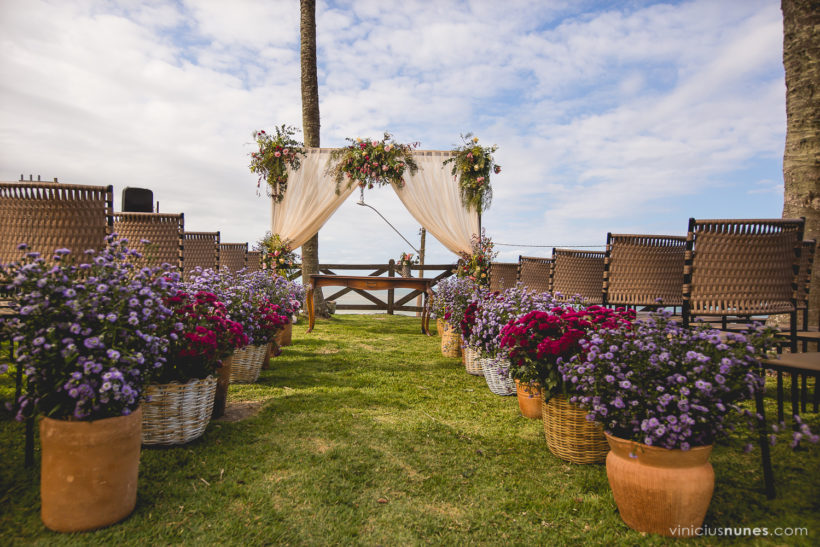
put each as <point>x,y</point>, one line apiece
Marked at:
<point>539,341</point>
<point>277,254</point>
<point>90,336</point>
<point>472,166</point>
<point>277,153</point>
<point>662,385</point>
<point>476,264</point>
<point>368,163</point>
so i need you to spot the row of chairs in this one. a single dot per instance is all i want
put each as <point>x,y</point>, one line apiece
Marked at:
<point>48,216</point>
<point>727,270</point>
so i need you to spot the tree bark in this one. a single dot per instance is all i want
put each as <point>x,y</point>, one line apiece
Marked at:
<point>801,157</point>
<point>310,127</point>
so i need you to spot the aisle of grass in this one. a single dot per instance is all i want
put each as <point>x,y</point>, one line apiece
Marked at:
<point>368,435</point>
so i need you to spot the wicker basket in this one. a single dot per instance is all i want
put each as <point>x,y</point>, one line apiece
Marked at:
<point>177,413</point>
<point>246,364</point>
<point>498,383</point>
<point>450,342</point>
<point>471,361</point>
<point>570,436</point>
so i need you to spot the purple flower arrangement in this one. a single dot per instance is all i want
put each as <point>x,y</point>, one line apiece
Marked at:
<point>493,310</point>
<point>89,336</point>
<point>451,298</point>
<point>662,385</point>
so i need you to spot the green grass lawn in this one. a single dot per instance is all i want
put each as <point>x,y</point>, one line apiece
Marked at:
<point>367,435</point>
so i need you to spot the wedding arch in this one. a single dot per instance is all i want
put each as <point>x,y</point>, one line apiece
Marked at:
<point>431,196</point>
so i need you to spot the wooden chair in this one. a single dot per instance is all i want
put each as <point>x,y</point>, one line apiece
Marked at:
<point>745,268</point>
<point>639,270</point>
<point>534,272</point>
<point>578,273</point>
<point>232,256</point>
<point>254,261</point>
<point>200,249</point>
<point>503,275</point>
<point>164,231</point>
<point>49,216</point>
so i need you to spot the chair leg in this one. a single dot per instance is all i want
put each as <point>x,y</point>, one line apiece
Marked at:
<point>779,397</point>
<point>804,392</point>
<point>816,393</point>
<point>29,458</point>
<point>765,454</point>
<point>795,398</point>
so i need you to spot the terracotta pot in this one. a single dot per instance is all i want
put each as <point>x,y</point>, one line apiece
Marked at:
<point>285,336</point>
<point>222,382</point>
<point>89,471</point>
<point>660,491</point>
<point>529,399</point>
<point>450,342</point>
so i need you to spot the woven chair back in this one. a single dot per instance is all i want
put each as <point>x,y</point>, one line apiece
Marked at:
<point>804,273</point>
<point>199,249</point>
<point>254,261</point>
<point>534,272</point>
<point>503,275</point>
<point>741,267</point>
<point>232,256</point>
<point>163,231</point>
<point>640,269</point>
<point>578,273</point>
<point>49,216</point>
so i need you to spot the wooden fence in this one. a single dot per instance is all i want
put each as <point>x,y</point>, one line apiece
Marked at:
<point>391,305</point>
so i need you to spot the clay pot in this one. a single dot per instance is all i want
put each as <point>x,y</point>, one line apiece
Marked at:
<point>89,471</point>
<point>660,491</point>
<point>285,336</point>
<point>222,382</point>
<point>529,399</point>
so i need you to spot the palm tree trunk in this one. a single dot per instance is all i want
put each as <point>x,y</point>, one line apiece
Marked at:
<point>310,126</point>
<point>801,158</point>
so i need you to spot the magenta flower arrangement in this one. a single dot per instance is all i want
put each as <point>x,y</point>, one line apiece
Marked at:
<point>369,162</point>
<point>90,337</point>
<point>202,336</point>
<point>451,297</point>
<point>538,341</point>
<point>662,385</point>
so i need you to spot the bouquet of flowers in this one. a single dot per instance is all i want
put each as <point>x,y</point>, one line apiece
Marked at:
<point>472,166</point>
<point>90,336</point>
<point>276,154</point>
<point>476,265</point>
<point>277,254</point>
<point>540,340</point>
<point>451,297</point>
<point>663,385</point>
<point>406,259</point>
<point>369,163</point>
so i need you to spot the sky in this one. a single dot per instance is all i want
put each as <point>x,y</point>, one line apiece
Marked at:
<point>623,117</point>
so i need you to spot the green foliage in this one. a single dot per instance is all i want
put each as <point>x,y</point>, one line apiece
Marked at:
<point>368,436</point>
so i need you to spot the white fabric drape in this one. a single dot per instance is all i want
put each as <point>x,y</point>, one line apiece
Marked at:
<point>432,197</point>
<point>309,200</point>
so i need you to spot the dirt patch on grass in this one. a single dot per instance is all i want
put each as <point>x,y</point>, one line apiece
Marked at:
<point>240,410</point>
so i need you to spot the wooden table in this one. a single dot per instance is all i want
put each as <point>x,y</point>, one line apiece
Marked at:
<point>372,283</point>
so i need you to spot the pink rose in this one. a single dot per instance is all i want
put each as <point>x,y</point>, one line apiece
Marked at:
<point>285,151</point>
<point>277,154</point>
<point>375,143</point>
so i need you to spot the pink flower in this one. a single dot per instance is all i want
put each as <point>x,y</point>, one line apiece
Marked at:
<point>285,151</point>
<point>385,167</point>
<point>375,143</point>
<point>277,154</point>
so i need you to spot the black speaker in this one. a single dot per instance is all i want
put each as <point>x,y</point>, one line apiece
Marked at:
<point>137,200</point>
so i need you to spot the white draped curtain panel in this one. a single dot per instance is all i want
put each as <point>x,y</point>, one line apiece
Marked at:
<point>431,196</point>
